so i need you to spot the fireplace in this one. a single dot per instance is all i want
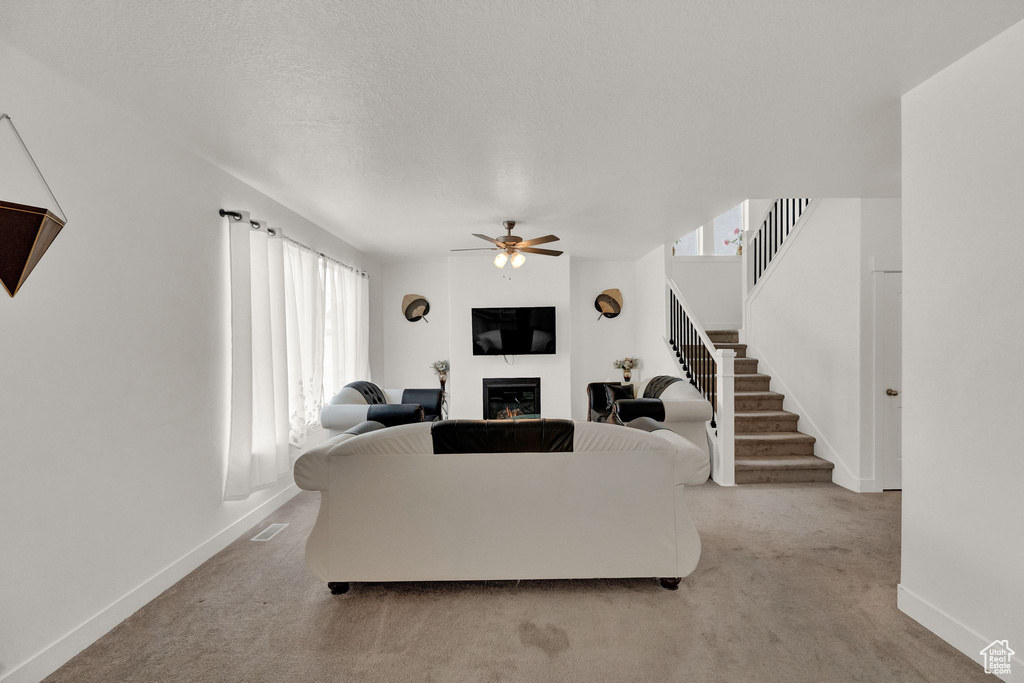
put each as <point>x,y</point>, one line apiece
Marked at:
<point>508,398</point>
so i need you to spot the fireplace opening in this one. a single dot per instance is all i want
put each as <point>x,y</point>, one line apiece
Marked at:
<point>509,398</point>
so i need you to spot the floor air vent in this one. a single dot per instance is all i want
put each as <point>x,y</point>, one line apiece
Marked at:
<point>268,533</point>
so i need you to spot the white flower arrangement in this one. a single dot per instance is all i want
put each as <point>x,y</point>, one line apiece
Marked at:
<point>626,363</point>
<point>440,366</point>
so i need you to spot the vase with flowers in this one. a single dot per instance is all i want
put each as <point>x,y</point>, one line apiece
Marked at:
<point>626,365</point>
<point>737,239</point>
<point>441,368</point>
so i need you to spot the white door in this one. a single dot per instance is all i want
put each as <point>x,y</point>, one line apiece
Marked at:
<point>891,337</point>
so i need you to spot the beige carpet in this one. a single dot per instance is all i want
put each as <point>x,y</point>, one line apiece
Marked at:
<point>796,583</point>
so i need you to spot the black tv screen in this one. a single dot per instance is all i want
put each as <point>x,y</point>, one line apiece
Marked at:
<point>513,331</point>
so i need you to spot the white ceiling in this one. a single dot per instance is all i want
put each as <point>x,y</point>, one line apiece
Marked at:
<point>614,123</point>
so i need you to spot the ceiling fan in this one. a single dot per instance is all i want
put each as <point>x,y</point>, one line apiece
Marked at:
<point>511,247</point>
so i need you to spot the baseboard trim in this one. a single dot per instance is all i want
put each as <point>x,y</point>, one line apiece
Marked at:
<point>956,633</point>
<point>58,653</point>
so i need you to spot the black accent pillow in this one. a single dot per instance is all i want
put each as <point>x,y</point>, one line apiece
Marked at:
<point>618,392</point>
<point>630,409</point>
<point>394,414</point>
<point>502,436</point>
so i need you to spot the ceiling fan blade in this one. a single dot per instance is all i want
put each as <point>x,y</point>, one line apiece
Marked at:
<point>489,239</point>
<point>544,252</point>
<point>538,240</point>
<point>479,249</point>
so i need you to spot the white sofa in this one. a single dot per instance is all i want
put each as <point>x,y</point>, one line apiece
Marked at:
<point>393,509</point>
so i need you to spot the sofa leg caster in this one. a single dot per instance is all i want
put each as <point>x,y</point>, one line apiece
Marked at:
<point>338,587</point>
<point>670,584</point>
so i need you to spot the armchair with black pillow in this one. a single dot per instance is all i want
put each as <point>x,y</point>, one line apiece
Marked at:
<point>601,396</point>
<point>667,399</point>
<point>360,401</point>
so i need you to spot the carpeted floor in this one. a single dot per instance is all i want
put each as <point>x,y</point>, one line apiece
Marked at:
<point>796,583</point>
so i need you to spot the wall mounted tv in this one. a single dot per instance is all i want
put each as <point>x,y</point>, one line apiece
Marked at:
<point>513,331</point>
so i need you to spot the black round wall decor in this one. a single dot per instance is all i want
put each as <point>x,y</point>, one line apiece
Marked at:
<point>414,307</point>
<point>609,303</point>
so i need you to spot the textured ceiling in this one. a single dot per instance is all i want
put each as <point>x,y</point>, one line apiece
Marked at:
<point>613,123</point>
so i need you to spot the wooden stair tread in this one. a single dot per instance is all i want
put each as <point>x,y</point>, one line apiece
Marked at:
<point>776,437</point>
<point>759,394</point>
<point>767,414</point>
<point>730,345</point>
<point>784,462</point>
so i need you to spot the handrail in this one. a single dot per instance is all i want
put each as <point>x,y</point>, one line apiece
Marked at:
<point>772,232</point>
<point>694,350</point>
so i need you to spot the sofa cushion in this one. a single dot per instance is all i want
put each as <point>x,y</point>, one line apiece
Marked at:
<point>617,392</point>
<point>657,385</point>
<point>370,392</point>
<point>502,436</point>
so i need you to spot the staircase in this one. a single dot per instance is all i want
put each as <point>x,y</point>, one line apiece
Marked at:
<point>769,449</point>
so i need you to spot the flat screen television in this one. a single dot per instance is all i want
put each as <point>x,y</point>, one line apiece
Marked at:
<point>513,331</point>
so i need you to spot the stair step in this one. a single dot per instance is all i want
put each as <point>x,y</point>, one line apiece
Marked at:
<point>745,366</point>
<point>726,336</point>
<point>772,444</point>
<point>749,401</point>
<point>740,349</point>
<point>753,382</point>
<point>783,470</point>
<point>759,422</point>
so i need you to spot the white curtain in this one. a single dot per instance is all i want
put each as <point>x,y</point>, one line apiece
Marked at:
<point>346,334</point>
<point>258,441</point>
<point>304,307</point>
<point>299,332</point>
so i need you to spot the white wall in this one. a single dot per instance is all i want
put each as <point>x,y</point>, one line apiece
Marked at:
<point>963,462</point>
<point>804,328</point>
<point>475,283</point>
<point>806,325</point>
<point>652,305</point>
<point>597,342</point>
<point>713,286</point>
<point>114,368</point>
<point>410,348</point>
<point>586,346</point>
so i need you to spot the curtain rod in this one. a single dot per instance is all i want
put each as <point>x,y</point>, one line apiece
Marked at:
<point>257,225</point>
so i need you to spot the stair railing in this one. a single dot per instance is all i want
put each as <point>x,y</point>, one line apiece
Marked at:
<point>769,236</point>
<point>711,371</point>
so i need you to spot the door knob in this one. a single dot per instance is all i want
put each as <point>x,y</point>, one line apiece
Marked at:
<point>891,392</point>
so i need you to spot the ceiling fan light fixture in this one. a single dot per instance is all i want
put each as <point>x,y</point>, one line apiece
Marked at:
<point>518,259</point>
<point>501,259</point>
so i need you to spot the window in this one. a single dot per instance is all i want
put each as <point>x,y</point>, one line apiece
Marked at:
<point>729,231</point>
<point>689,245</point>
<point>722,237</point>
